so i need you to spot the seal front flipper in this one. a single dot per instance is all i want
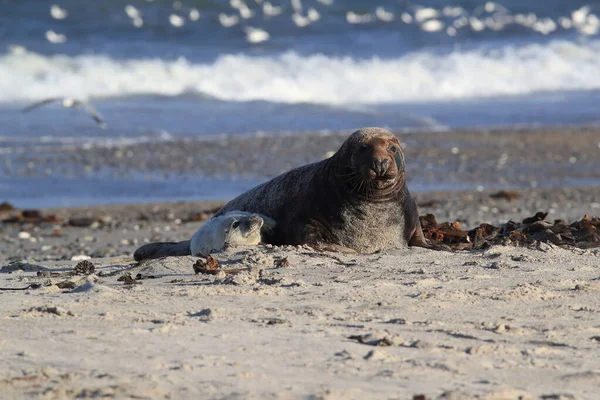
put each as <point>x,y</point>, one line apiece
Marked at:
<point>162,249</point>
<point>419,240</point>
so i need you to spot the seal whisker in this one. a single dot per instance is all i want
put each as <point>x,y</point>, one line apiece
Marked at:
<point>350,173</point>
<point>363,185</point>
<point>359,184</point>
<point>353,178</point>
<point>355,187</point>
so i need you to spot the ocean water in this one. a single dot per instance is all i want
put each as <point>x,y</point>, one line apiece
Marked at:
<point>158,69</point>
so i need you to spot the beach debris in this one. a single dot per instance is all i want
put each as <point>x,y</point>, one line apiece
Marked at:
<point>267,279</point>
<point>21,266</point>
<point>80,257</point>
<point>210,266</point>
<point>276,321</point>
<point>84,267</point>
<point>30,217</point>
<point>378,339</point>
<point>30,286</point>
<point>205,314</point>
<point>282,263</point>
<point>337,259</point>
<point>54,310</point>
<point>377,342</point>
<point>80,222</point>
<point>68,284</point>
<point>530,232</point>
<point>6,207</point>
<point>139,277</point>
<point>127,279</point>
<point>56,233</point>
<point>50,274</point>
<point>24,235</point>
<point>539,216</point>
<point>69,102</point>
<point>505,195</point>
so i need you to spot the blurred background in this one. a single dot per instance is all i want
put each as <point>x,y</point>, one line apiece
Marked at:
<point>189,89</point>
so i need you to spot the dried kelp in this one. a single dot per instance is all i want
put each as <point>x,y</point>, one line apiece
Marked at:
<point>529,232</point>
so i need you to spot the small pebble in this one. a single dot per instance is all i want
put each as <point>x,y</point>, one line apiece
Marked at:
<point>24,235</point>
<point>80,257</point>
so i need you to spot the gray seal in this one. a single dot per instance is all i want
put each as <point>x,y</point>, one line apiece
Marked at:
<point>230,229</point>
<point>356,200</point>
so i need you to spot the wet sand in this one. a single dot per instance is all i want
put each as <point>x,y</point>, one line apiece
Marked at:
<point>496,324</point>
<point>436,161</point>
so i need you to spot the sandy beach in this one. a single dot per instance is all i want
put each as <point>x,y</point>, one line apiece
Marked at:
<point>502,323</point>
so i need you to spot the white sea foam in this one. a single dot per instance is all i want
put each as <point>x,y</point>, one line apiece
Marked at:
<point>291,78</point>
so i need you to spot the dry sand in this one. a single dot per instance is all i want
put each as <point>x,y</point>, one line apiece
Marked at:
<point>506,323</point>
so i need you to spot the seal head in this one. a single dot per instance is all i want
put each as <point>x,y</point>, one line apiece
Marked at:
<point>244,231</point>
<point>376,167</point>
<point>234,228</point>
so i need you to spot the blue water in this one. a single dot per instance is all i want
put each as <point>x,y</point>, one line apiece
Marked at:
<point>157,69</point>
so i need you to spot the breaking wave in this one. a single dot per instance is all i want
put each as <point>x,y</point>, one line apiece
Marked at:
<point>292,78</point>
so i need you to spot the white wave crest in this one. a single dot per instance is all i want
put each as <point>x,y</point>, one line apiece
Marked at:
<point>291,78</point>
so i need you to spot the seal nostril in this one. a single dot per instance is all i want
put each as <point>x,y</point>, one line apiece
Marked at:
<point>385,164</point>
<point>380,166</point>
<point>375,166</point>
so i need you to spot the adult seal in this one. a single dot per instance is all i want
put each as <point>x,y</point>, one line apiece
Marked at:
<point>356,200</point>
<point>230,229</point>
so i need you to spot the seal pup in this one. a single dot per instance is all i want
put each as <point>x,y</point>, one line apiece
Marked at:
<point>233,228</point>
<point>356,200</point>
<point>69,102</point>
<point>230,229</point>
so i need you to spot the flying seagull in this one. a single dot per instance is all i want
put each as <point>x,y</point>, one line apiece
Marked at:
<point>69,102</point>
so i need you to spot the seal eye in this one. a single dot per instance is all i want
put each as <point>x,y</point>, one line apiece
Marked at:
<point>393,149</point>
<point>235,224</point>
<point>363,148</point>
